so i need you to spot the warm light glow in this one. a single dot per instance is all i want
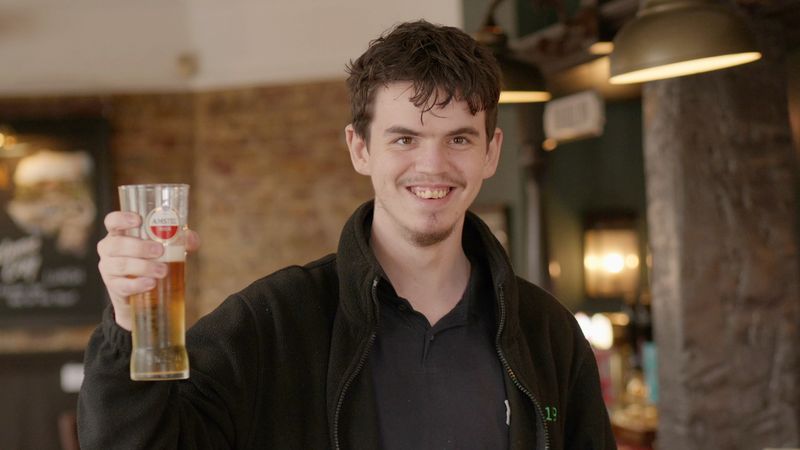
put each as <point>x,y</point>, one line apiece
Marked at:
<point>682,68</point>
<point>602,332</point>
<point>7,141</point>
<point>585,323</point>
<point>599,329</point>
<point>554,269</point>
<point>601,48</point>
<point>610,262</point>
<point>590,262</point>
<point>619,319</point>
<point>9,148</point>
<point>549,144</point>
<point>524,96</point>
<point>613,263</point>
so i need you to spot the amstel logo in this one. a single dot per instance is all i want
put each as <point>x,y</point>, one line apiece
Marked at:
<point>162,224</point>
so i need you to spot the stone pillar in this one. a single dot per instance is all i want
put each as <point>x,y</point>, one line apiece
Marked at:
<point>720,176</point>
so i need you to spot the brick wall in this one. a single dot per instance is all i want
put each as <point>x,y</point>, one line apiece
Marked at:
<point>271,180</point>
<point>274,181</point>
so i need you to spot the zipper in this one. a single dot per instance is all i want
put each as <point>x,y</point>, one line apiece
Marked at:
<point>514,379</point>
<point>355,373</point>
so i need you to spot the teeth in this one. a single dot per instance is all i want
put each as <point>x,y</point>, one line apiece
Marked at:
<point>430,193</point>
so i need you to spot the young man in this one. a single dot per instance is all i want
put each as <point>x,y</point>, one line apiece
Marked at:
<point>416,334</point>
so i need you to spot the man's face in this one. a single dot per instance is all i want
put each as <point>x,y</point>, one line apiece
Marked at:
<point>426,169</point>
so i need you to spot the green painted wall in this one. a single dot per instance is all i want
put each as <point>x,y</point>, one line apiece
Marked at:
<point>604,173</point>
<point>598,174</point>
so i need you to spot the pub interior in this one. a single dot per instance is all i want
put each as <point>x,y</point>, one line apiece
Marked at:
<point>664,213</point>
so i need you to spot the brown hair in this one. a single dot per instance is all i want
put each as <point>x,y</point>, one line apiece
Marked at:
<point>443,63</point>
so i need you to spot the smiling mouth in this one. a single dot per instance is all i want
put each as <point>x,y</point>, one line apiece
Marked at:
<point>429,193</point>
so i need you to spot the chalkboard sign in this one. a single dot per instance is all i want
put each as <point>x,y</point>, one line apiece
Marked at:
<point>54,193</point>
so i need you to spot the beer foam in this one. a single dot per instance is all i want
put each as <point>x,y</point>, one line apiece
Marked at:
<point>173,253</point>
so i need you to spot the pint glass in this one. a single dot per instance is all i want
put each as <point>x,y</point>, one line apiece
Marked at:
<point>159,351</point>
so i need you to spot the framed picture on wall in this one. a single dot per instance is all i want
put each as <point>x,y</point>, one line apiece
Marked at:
<point>54,192</point>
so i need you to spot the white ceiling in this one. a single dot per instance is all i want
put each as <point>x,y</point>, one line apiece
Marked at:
<point>101,46</point>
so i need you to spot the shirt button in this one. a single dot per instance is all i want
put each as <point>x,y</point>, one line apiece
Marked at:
<point>402,307</point>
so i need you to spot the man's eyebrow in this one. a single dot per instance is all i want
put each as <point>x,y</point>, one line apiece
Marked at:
<point>471,131</point>
<point>400,130</point>
<point>397,129</point>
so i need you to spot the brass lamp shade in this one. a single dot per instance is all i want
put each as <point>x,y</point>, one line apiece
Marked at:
<point>672,38</point>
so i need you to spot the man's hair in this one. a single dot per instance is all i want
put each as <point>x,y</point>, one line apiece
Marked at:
<point>443,63</point>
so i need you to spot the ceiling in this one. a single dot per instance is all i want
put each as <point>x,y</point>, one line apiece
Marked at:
<point>98,46</point>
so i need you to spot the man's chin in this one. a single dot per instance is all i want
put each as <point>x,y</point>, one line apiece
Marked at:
<point>430,237</point>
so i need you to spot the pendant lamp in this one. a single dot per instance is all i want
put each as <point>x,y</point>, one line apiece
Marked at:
<point>673,38</point>
<point>522,82</point>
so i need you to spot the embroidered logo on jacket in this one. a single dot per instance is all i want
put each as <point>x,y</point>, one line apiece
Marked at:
<point>550,413</point>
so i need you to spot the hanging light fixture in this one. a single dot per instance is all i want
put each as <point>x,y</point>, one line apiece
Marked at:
<point>605,31</point>
<point>673,38</point>
<point>522,82</point>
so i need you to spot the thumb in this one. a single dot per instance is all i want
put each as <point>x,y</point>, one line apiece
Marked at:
<point>192,240</point>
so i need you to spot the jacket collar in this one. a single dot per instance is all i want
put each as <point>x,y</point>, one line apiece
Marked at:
<point>358,268</point>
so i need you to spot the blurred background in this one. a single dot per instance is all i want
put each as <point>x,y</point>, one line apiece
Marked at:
<point>663,212</point>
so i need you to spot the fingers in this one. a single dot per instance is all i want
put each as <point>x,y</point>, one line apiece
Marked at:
<point>118,222</point>
<point>120,266</point>
<point>124,276</point>
<point>114,245</point>
<point>121,287</point>
<point>192,240</point>
<point>127,264</point>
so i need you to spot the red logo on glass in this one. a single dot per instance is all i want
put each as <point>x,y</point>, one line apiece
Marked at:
<point>162,224</point>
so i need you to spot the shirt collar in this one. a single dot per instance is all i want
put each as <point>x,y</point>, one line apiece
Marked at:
<point>467,307</point>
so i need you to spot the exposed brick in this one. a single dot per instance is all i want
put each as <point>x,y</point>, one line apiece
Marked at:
<point>271,179</point>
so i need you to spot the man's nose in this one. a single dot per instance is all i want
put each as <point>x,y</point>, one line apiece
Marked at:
<point>432,158</point>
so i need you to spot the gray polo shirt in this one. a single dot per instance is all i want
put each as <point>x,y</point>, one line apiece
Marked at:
<point>440,387</point>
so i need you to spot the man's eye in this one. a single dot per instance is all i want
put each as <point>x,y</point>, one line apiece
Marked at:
<point>405,140</point>
<point>460,140</point>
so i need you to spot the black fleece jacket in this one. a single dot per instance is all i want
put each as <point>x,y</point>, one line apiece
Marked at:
<point>280,365</point>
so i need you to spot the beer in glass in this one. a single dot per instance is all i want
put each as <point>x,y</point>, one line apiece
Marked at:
<point>159,351</point>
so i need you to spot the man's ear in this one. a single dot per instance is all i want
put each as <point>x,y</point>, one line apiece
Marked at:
<point>493,153</point>
<point>359,154</point>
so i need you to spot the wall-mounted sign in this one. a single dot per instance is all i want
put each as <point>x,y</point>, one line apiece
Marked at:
<point>53,196</point>
<point>575,116</point>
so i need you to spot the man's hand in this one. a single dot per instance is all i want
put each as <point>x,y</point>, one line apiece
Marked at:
<point>128,264</point>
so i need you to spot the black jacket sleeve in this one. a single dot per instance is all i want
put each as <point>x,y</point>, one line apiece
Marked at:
<point>213,409</point>
<point>587,423</point>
